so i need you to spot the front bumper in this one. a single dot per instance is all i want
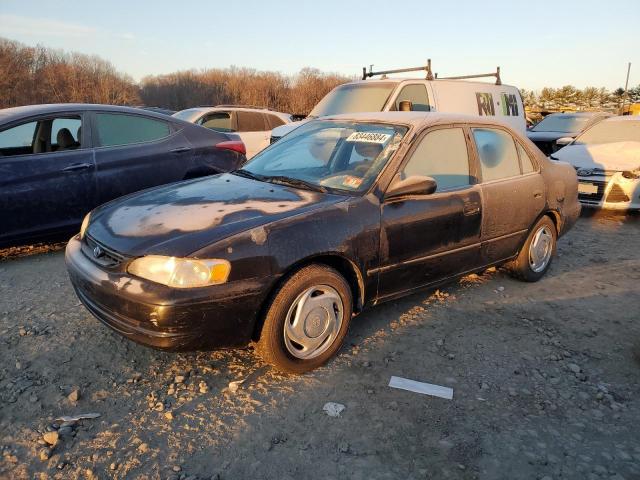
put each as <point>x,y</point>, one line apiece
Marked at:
<point>221,316</point>
<point>611,192</point>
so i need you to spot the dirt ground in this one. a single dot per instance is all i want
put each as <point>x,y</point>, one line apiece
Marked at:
<point>545,383</point>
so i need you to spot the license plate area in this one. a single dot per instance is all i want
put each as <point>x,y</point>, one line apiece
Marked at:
<point>587,188</point>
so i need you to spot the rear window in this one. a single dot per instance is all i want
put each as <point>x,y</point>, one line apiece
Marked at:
<point>250,122</point>
<point>274,121</point>
<point>497,152</point>
<point>219,121</point>
<point>121,129</point>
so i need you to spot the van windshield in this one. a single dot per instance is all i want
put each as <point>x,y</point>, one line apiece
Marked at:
<point>354,98</point>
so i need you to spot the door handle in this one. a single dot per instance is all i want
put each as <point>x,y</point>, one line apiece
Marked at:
<point>76,166</point>
<point>537,193</point>
<point>180,150</point>
<point>471,208</point>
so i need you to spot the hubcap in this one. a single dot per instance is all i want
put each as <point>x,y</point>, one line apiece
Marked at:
<point>313,322</point>
<point>540,249</point>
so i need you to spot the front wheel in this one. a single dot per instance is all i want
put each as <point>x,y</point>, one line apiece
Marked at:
<point>307,320</point>
<point>537,252</point>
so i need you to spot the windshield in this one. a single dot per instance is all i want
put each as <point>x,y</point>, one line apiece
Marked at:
<point>343,157</point>
<point>562,123</point>
<point>188,115</point>
<point>354,98</point>
<point>610,132</point>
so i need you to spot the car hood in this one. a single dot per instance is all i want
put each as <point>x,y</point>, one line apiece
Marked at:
<point>548,136</point>
<point>182,218</point>
<point>617,156</point>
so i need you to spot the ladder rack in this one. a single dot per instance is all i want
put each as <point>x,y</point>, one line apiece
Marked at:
<point>430,75</point>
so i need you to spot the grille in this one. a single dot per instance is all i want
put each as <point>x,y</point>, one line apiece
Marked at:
<point>617,195</point>
<point>593,197</point>
<point>106,257</point>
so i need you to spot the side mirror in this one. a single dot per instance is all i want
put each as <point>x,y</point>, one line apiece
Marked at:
<point>561,142</point>
<point>414,185</point>
<point>405,106</point>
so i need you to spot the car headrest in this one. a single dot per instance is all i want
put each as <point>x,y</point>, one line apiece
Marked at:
<point>65,139</point>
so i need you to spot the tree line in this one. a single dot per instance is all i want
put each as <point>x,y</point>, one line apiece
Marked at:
<point>33,75</point>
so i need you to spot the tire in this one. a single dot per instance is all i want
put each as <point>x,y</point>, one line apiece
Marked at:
<point>525,267</point>
<point>314,303</point>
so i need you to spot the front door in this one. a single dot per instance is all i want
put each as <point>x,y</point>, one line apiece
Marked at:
<point>46,176</point>
<point>425,239</point>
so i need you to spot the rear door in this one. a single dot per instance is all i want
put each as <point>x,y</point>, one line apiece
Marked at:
<point>46,175</point>
<point>513,192</point>
<point>135,152</point>
<point>253,130</point>
<point>427,238</point>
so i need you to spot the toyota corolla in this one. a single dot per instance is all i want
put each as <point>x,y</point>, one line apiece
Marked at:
<point>342,214</point>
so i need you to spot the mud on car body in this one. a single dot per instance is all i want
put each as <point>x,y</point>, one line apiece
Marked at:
<point>342,214</point>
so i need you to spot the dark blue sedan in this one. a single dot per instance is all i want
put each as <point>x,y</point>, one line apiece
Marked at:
<point>59,161</point>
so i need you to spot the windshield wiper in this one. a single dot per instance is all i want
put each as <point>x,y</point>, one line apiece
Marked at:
<point>296,182</point>
<point>247,174</point>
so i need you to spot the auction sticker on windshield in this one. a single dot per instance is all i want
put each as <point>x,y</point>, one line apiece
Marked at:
<point>369,137</point>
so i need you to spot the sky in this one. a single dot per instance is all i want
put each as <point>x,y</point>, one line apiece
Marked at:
<point>536,43</point>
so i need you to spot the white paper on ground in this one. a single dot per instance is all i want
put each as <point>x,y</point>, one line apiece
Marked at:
<point>421,387</point>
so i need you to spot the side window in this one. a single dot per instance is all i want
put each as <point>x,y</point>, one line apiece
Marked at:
<point>18,140</point>
<point>219,121</point>
<point>442,154</point>
<point>417,95</point>
<point>250,122</point>
<point>525,159</point>
<point>274,121</point>
<point>497,152</point>
<point>65,133</point>
<point>121,129</point>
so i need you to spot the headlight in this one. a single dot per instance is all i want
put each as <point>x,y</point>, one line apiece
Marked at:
<point>85,224</point>
<point>181,272</point>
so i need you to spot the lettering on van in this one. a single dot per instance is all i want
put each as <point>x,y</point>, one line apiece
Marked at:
<point>485,104</point>
<point>509,104</point>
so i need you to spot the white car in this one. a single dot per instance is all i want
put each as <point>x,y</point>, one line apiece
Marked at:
<point>607,160</point>
<point>430,94</point>
<point>252,124</point>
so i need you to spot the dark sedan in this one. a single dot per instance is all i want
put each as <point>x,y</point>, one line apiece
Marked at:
<point>344,213</point>
<point>558,129</point>
<point>57,162</point>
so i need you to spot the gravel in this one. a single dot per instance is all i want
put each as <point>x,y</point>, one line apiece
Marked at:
<point>545,380</point>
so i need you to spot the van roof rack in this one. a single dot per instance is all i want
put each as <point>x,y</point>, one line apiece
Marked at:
<point>430,75</point>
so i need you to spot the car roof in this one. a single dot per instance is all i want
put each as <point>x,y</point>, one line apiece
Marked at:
<point>284,116</point>
<point>16,113</point>
<point>623,118</point>
<point>417,119</point>
<point>581,114</point>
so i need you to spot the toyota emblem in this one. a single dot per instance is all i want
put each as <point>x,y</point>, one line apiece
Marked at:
<point>584,172</point>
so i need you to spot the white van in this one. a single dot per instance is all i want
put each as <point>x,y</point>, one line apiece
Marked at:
<point>450,95</point>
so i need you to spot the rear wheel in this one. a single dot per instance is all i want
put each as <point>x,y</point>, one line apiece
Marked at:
<point>307,320</point>
<point>537,252</point>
